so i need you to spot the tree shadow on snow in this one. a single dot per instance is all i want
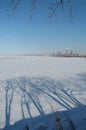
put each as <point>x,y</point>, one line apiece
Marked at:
<point>26,96</point>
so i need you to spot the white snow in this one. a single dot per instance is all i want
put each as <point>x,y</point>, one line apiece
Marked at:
<point>36,89</point>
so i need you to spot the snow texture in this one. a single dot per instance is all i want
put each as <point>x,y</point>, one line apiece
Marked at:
<point>41,93</point>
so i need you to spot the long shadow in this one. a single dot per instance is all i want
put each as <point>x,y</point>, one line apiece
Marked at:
<point>52,88</point>
<point>30,91</point>
<point>49,95</point>
<point>25,101</point>
<point>9,92</point>
<point>29,94</point>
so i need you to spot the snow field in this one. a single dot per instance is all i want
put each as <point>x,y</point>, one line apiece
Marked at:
<point>32,86</point>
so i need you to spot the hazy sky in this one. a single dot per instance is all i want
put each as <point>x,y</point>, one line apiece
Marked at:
<point>21,35</point>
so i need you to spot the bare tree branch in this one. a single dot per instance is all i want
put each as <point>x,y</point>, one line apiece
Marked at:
<point>52,5</point>
<point>14,4</point>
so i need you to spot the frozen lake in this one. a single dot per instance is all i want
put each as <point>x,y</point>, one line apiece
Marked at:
<point>33,66</point>
<point>33,86</point>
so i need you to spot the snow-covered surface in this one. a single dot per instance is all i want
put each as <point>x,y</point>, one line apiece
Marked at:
<point>34,90</point>
<point>34,66</point>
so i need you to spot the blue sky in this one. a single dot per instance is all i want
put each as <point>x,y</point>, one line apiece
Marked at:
<point>21,35</point>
